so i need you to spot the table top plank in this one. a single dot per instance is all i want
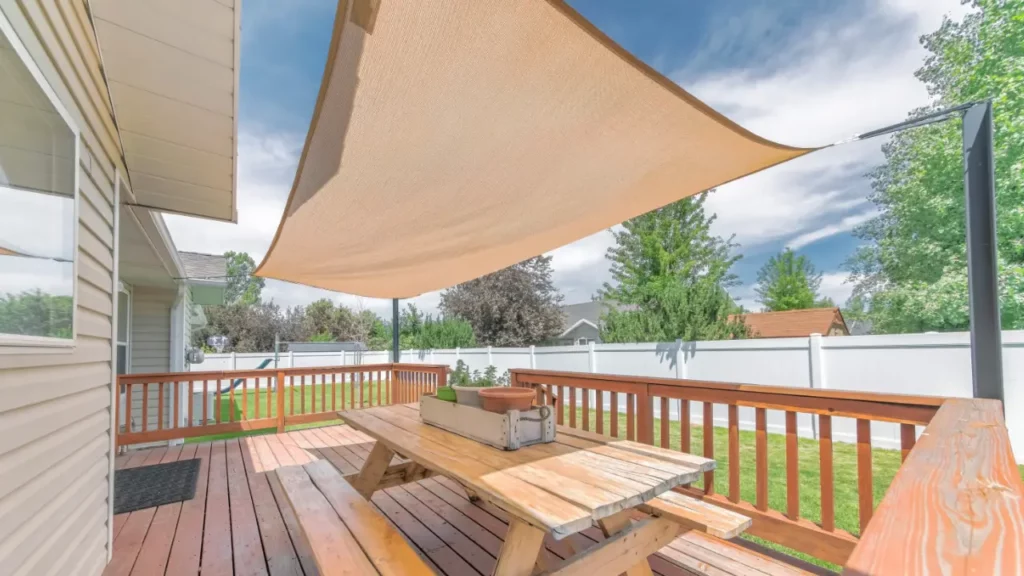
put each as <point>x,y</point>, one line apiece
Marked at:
<point>523,500</point>
<point>560,487</point>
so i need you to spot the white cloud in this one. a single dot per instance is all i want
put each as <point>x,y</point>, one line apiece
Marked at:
<point>835,286</point>
<point>836,80</point>
<point>845,225</point>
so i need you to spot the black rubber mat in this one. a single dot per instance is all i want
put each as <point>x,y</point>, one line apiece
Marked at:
<point>148,486</point>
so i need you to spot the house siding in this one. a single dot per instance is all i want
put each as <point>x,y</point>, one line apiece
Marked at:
<point>55,417</point>
<point>151,349</point>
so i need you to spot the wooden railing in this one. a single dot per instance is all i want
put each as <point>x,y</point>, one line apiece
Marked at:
<point>191,404</point>
<point>587,400</point>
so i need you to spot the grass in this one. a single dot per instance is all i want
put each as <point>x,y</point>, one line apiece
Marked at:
<point>303,398</point>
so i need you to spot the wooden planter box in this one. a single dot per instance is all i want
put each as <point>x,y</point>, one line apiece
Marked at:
<point>509,431</point>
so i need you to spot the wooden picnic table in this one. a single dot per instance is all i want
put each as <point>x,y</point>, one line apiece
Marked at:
<point>558,488</point>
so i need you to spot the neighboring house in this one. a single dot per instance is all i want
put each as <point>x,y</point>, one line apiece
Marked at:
<point>583,321</point>
<point>860,327</point>
<point>795,323</point>
<point>110,112</point>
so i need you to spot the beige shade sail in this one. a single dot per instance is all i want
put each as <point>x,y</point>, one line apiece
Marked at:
<point>453,138</point>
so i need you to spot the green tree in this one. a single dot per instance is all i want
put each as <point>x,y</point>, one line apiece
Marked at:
<point>516,306</point>
<point>242,286</point>
<point>913,265</point>
<point>673,276</point>
<point>789,282</point>
<point>36,313</point>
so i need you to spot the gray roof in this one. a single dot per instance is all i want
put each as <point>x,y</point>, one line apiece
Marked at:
<point>204,266</point>
<point>589,311</point>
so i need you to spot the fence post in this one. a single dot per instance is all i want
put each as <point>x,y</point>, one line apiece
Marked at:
<point>680,360</point>
<point>817,366</point>
<point>291,359</point>
<point>533,357</point>
<point>431,355</point>
<point>458,356</point>
<point>280,402</point>
<point>234,362</point>
<point>490,359</point>
<point>343,360</point>
<point>592,349</point>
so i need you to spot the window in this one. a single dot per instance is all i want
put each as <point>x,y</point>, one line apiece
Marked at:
<point>124,322</point>
<point>582,341</point>
<point>38,204</point>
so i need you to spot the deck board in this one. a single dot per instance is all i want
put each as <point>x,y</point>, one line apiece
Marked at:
<point>239,522</point>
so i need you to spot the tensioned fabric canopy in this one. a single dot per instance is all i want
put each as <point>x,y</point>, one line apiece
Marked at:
<point>453,138</point>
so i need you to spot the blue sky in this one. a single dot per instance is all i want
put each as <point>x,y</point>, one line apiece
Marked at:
<point>802,72</point>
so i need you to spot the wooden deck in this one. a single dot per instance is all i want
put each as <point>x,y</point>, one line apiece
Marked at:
<point>238,522</point>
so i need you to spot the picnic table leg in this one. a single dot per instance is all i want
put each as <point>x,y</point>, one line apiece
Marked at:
<point>373,470</point>
<point>520,551</point>
<point>616,523</point>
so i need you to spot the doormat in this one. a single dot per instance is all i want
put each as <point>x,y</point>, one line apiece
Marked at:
<point>149,486</point>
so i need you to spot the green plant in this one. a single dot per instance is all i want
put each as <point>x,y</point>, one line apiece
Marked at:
<point>462,376</point>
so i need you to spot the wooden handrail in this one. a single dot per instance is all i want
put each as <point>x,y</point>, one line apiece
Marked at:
<point>268,398</point>
<point>787,526</point>
<point>956,505</point>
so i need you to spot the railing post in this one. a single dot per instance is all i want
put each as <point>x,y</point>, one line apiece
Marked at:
<point>442,375</point>
<point>280,402</point>
<point>645,416</point>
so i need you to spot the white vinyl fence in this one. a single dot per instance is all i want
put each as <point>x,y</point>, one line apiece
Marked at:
<point>919,364</point>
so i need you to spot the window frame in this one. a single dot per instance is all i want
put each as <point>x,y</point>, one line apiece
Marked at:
<point>22,340</point>
<point>125,289</point>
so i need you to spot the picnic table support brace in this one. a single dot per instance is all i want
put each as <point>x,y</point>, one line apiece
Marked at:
<point>373,470</point>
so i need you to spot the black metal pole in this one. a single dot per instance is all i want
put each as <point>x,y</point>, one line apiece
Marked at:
<point>982,265</point>
<point>396,353</point>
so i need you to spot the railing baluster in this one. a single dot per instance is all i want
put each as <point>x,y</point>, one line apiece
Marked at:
<point>302,393</point>
<point>245,397</point>
<point>709,445</point>
<point>323,392</point>
<point>561,404</point>
<point>734,453</point>
<point>206,392</point>
<point>378,387</point>
<point>865,490</point>
<point>160,406</point>
<point>360,377</point>
<point>270,396</point>
<point>145,406</point>
<point>613,419</point>
<point>586,409</point>
<point>600,411</point>
<point>256,396</point>
<point>630,416</point>
<point>792,468</point>
<point>665,421</point>
<point>828,508</point>
<point>334,392</point>
<point>128,408</point>
<point>572,407</point>
<point>684,426</point>
<point>280,402</point>
<point>761,458</point>
<point>908,437</point>
<point>216,405</point>
<point>177,404</point>
<point>231,400</point>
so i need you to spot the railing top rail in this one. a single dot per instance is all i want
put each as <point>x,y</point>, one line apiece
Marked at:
<point>556,377</point>
<point>269,372</point>
<point>957,503</point>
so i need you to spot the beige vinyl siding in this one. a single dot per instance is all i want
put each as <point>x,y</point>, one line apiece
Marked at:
<point>55,432</point>
<point>151,349</point>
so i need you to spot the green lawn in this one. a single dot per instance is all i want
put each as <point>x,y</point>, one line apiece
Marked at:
<point>303,404</point>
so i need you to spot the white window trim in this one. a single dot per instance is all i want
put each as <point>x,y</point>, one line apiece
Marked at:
<point>45,341</point>
<point>127,342</point>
